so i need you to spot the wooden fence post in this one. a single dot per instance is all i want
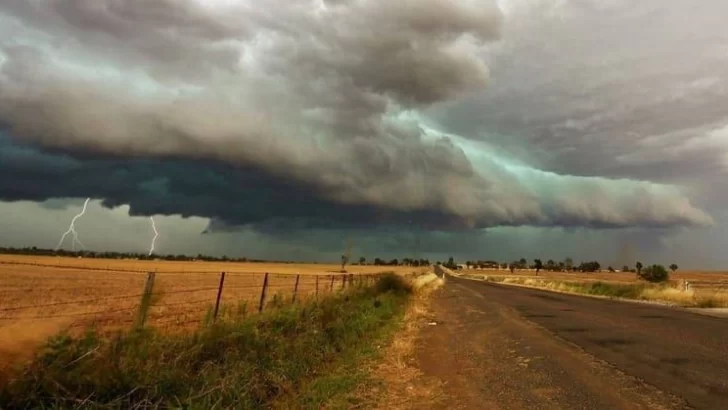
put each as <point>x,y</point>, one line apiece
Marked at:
<point>146,300</point>
<point>262,293</point>
<point>295,287</point>
<point>219,295</point>
<point>343,281</point>
<point>331,287</point>
<point>317,280</point>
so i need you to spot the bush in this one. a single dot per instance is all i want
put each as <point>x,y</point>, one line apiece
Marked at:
<point>654,273</point>
<point>391,282</point>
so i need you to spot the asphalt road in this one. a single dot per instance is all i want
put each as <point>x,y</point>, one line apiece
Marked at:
<point>498,346</point>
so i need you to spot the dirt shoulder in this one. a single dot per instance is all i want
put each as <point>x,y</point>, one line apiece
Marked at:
<point>485,354</point>
<point>396,381</point>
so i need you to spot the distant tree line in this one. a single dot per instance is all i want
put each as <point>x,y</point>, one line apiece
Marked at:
<point>199,257</point>
<point>396,262</point>
<point>653,273</point>
<point>121,255</point>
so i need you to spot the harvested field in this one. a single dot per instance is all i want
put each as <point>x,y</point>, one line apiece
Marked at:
<point>40,296</point>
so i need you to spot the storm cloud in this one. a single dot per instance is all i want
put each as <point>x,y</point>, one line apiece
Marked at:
<point>314,113</point>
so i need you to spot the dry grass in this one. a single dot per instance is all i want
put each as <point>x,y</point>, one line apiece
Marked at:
<point>706,296</point>
<point>40,296</point>
<point>691,276</point>
<point>402,384</point>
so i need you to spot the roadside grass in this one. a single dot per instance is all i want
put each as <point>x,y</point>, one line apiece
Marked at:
<point>295,356</point>
<point>704,298</point>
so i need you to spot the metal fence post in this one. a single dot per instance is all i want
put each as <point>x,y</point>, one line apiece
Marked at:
<point>262,293</point>
<point>316,293</point>
<point>146,300</point>
<point>219,295</point>
<point>295,287</point>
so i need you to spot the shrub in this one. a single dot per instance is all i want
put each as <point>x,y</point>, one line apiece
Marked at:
<point>394,283</point>
<point>654,273</point>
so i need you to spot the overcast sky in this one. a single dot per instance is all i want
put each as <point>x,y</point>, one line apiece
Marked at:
<point>283,129</point>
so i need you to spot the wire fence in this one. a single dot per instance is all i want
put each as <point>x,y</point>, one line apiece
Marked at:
<point>161,299</point>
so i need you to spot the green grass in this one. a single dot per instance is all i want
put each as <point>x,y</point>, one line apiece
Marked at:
<point>619,290</point>
<point>300,356</point>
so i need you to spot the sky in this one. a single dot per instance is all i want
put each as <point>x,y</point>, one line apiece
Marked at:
<point>287,129</point>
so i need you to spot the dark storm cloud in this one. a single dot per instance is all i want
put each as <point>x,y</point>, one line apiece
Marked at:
<point>262,112</point>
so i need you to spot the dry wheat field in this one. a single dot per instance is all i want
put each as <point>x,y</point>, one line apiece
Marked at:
<point>40,296</point>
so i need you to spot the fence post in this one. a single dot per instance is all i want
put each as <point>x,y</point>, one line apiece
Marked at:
<point>317,280</point>
<point>343,281</point>
<point>331,287</point>
<point>295,287</point>
<point>262,293</point>
<point>219,295</point>
<point>146,300</point>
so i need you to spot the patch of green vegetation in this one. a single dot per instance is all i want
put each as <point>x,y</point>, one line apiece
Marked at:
<point>619,290</point>
<point>300,356</point>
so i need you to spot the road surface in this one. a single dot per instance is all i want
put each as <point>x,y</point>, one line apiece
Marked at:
<point>502,347</point>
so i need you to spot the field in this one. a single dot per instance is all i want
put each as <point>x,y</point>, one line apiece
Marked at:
<point>40,296</point>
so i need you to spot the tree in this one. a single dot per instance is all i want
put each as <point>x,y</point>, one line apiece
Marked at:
<point>522,263</point>
<point>344,261</point>
<point>611,269</point>
<point>550,265</point>
<point>625,268</point>
<point>568,263</point>
<point>362,261</point>
<point>538,265</point>
<point>654,273</point>
<point>638,266</point>
<point>673,267</point>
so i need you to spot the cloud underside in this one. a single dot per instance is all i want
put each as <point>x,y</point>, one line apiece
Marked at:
<point>278,114</point>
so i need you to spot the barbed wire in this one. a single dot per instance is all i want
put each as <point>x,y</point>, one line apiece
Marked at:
<point>305,290</point>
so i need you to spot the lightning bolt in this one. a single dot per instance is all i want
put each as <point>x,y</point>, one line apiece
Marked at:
<point>72,230</point>
<point>156,235</point>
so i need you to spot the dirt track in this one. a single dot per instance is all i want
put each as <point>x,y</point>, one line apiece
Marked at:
<point>504,347</point>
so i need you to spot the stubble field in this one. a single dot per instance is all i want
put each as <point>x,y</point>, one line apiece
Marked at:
<point>41,296</point>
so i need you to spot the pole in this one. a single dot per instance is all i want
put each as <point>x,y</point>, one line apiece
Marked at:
<point>331,287</point>
<point>262,293</point>
<point>146,300</point>
<point>219,295</point>
<point>295,288</point>
<point>317,280</point>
